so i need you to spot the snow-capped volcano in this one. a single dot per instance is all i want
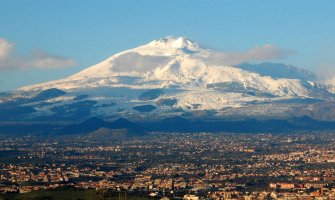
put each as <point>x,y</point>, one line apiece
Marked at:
<point>171,62</point>
<point>172,76</point>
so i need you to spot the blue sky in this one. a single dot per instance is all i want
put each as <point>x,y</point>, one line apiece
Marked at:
<point>77,34</point>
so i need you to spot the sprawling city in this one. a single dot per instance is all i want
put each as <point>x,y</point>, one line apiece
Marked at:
<point>175,166</point>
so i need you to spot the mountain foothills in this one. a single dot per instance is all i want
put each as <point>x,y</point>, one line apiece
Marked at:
<point>172,84</point>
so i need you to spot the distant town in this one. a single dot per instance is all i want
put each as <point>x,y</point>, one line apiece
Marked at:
<point>175,165</point>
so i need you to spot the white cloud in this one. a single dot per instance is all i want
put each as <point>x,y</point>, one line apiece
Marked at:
<point>258,53</point>
<point>5,49</point>
<point>38,59</point>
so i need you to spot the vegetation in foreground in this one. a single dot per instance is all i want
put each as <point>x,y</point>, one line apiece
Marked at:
<point>70,193</point>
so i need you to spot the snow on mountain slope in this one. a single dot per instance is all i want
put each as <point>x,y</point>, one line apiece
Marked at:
<point>170,62</point>
<point>143,59</point>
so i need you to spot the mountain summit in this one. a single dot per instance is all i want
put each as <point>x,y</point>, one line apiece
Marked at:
<point>172,77</point>
<point>177,43</point>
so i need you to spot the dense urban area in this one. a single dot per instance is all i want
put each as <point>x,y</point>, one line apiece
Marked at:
<point>174,165</point>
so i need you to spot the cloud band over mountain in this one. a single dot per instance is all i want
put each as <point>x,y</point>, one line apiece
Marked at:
<point>259,53</point>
